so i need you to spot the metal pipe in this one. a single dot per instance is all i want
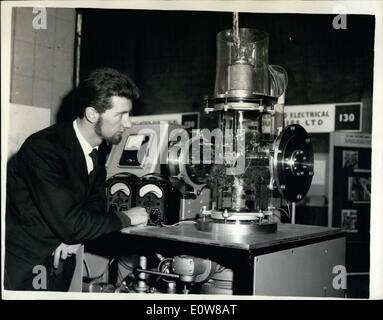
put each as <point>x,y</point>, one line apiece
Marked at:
<point>141,285</point>
<point>169,275</point>
<point>293,207</point>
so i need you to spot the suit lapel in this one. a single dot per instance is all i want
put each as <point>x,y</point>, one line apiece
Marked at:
<point>75,153</point>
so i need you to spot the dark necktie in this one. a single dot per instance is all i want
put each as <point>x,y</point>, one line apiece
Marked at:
<point>94,156</point>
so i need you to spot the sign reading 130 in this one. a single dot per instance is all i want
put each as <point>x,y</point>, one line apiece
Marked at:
<point>348,117</point>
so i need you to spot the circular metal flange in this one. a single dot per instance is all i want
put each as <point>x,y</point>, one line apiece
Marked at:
<point>239,216</point>
<point>186,176</point>
<point>237,229</point>
<point>239,106</point>
<point>235,95</point>
<point>249,102</point>
<point>293,166</point>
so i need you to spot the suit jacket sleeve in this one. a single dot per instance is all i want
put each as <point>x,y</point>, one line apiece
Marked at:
<point>72,221</point>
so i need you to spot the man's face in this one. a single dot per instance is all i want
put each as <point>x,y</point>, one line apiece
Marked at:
<point>115,120</point>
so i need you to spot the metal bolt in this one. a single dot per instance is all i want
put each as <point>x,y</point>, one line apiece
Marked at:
<point>283,186</point>
<point>299,196</point>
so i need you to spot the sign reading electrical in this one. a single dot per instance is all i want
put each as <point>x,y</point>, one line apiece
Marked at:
<point>325,117</point>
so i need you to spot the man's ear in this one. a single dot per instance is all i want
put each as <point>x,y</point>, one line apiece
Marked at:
<point>91,114</point>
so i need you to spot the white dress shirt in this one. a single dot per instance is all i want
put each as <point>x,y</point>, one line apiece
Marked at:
<point>85,146</point>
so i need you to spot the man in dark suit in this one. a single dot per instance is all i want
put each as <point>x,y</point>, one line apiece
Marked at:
<point>55,190</point>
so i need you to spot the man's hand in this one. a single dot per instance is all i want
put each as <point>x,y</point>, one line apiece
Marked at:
<point>137,215</point>
<point>63,251</point>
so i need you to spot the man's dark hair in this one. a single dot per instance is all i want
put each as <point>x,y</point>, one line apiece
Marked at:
<point>99,86</point>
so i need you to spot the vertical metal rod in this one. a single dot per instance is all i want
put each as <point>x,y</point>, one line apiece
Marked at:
<point>293,207</point>
<point>240,120</point>
<point>236,39</point>
<point>235,132</point>
<point>141,285</point>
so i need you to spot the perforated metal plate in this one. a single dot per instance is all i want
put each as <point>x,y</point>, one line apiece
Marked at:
<point>293,167</point>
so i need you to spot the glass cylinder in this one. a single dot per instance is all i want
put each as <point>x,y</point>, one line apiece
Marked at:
<point>241,183</point>
<point>242,63</point>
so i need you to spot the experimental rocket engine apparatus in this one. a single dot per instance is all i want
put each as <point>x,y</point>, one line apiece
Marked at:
<point>254,160</point>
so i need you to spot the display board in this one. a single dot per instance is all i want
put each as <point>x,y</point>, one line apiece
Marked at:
<point>351,195</point>
<point>317,118</point>
<point>190,120</point>
<point>23,121</point>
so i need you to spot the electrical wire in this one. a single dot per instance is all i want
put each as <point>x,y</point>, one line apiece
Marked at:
<point>288,208</point>
<point>121,277</point>
<point>126,266</point>
<point>279,77</point>
<point>287,214</point>
<point>178,223</point>
<point>87,268</point>
<point>106,269</point>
